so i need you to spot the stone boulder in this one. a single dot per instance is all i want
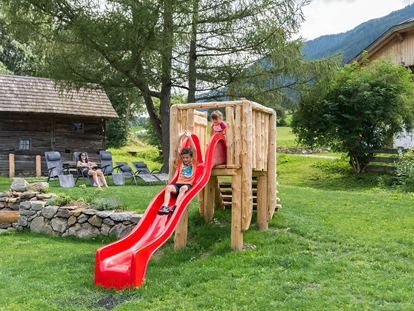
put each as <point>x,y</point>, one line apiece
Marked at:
<point>19,185</point>
<point>37,186</point>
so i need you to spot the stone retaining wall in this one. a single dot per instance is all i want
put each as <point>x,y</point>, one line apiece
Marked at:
<point>299,150</point>
<point>36,215</point>
<point>74,221</point>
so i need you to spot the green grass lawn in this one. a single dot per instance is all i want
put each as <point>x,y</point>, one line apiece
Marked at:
<point>285,137</point>
<point>340,242</point>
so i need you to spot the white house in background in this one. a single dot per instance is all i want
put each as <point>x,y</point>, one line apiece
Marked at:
<point>397,43</point>
<point>404,140</point>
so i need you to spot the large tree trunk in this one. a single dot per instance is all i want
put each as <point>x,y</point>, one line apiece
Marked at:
<point>192,70</point>
<point>355,162</point>
<point>166,83</point>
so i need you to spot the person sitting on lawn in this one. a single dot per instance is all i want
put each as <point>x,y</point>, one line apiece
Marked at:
<point>90,169</point>
<point>188,162</point>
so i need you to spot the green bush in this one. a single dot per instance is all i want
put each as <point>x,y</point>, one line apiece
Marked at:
<point>404,169</point>
<point>151,155</point>
<point>61,200</point>
<point>104,204</point>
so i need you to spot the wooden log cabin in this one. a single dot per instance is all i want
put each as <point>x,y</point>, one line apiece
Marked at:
<point>397,44</point>
<point>36,116</point>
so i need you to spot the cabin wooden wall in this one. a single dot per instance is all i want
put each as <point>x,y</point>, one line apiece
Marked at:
<point>399,50</point>
<point>46,133</point>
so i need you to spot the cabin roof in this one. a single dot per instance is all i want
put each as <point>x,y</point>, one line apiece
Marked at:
<point>397,30</point>
<point>40,95</point>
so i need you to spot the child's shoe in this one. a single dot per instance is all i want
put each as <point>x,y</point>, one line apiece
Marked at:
<point>172,209</point>
<point>164,210</point>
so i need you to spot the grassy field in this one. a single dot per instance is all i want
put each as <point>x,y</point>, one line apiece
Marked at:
<point>285,137</point>
<point>341,242</point>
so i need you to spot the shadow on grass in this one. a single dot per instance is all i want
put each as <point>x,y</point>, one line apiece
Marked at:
<point>204,240</point>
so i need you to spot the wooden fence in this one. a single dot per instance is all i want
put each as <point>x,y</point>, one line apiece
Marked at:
<point>382,160</point>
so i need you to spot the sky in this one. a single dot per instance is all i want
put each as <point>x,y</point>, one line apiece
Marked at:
<point>325,17</point>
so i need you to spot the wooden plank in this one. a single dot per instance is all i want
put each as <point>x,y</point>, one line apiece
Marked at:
<point>236,214</point>
<point>11,165</point>
<point>265,140</point>
<point>261,108</point>
<point>379,169</point>
<point>383,159</point>
<point>218,198</point>
<point>256,139</point>
<point>237,135</point>
<point>200,123</point>
<point>209,200</point>
<point>184,120</point>
<point>224,172</point>
<point>208,105</point>
<point>230,129</point>
<point>180,237</point>
<point>271,167</point>
<point>246,163</point>
<point>385,150</point>
<point>228,166</point>
<point>262,210</point>
<point>38,166</point>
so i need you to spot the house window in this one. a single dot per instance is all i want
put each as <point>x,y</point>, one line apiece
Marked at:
<point>77,127</point>
<point>24,144</point>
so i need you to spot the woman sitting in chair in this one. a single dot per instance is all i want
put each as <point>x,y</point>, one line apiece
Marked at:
<point>90,169</point>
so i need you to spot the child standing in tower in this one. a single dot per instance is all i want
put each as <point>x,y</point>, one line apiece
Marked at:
<point>217,124</point>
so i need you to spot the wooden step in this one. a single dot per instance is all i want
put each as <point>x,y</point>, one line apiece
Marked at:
<point>226,195</point>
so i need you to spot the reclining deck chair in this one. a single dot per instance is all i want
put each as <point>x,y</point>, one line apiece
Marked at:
<point>55,169</point>
<point>82,170</point>
<point>141,167</point>
<point>127,171</point>
<point>107,168</point>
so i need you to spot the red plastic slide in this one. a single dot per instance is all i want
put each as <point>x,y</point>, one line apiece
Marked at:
<point>123,263</point>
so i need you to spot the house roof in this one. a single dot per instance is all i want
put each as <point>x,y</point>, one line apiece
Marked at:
<point>40,95</point>
<point>395,31</point>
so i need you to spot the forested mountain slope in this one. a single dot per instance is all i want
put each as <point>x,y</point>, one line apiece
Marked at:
<point>352,42</point>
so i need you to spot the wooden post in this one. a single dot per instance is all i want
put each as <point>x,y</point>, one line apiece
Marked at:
<point>265,132</point>
<point>180,237</point>
<point>11,165</point>
<point>230,127</point>
<point>236,213</point>
<point>255,138</point>
<point>237,135</point>
<point>209,201</point>
<point>271,167</point>
<point>38,166</point>
<point>218,198</point>
<point>262,202</point>
<point>246,163</point>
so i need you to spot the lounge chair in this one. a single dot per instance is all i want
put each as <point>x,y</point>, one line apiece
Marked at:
<point>55,169</point>
<point>107,168</point>
<point>141,167</point>
<point>82,170</point>
<point>127,171</point>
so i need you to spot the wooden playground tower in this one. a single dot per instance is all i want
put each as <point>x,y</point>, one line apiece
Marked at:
<point>251,152</point>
